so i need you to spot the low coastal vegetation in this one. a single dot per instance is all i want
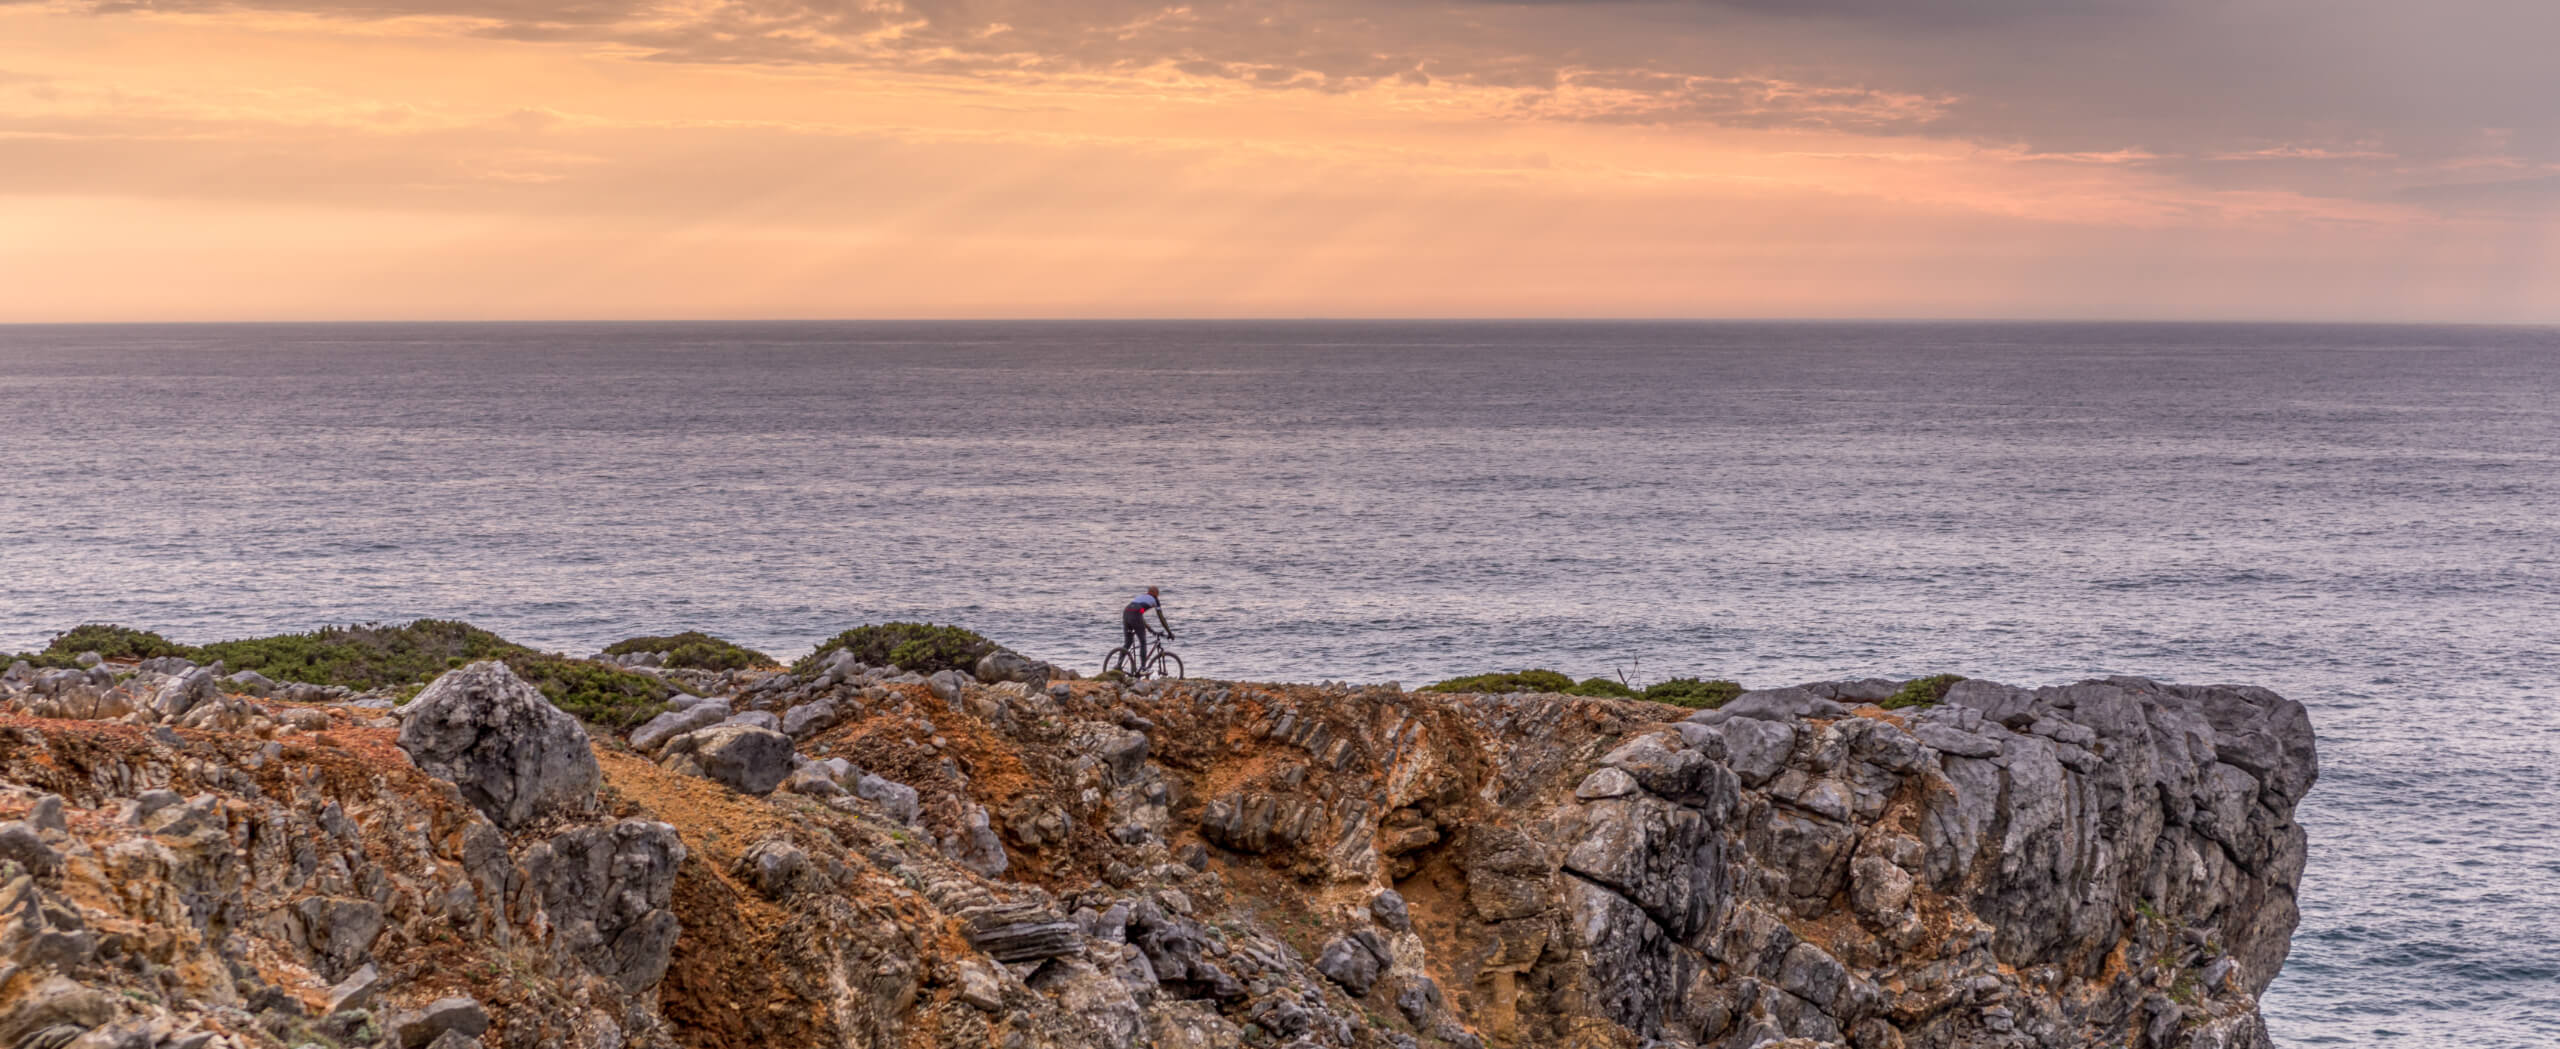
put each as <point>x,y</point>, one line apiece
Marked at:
<point>694,650</point>
<point>1693,693</point>
<point>403,657</point>
<point>1680,691</point>
<point>107,640</point>
<point>363,656</point>
<point>924,648</point>
<point>1921,691</point>
<point>1517,681</point>
<point>383,656</point>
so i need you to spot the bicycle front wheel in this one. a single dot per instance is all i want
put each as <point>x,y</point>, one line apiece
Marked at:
<point>1168,665</point>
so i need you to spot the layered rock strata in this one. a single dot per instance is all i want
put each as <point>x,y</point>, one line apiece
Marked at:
<point>860,858</point>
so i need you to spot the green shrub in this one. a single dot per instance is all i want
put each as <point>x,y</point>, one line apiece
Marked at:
<point>1693,693</point>
<point>1602,686</point>
<point>376,655</point>
<point>1921,692</point>
<point>596,692</point>
<point>369,655</point>
<point>110,641</point>
<point>695,650</point>
<point>1520,681</point>
<point>921,647</point>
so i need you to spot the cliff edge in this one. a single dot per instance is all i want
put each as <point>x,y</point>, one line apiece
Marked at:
<point>851,856</point>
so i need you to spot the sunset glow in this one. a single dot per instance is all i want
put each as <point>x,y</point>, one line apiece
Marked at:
<point>309,159</point>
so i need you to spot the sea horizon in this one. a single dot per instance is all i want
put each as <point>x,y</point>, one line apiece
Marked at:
<point>2362,517</point>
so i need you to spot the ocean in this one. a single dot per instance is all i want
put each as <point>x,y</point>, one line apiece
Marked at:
<point>2366,519</point>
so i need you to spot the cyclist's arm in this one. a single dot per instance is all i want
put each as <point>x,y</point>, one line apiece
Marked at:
<point>1168,627</point>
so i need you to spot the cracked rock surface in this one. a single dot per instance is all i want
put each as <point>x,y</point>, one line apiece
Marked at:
<point>186,862</point>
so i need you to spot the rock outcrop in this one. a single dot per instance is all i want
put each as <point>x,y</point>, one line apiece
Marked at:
<point>513,754</point>
<point>1074,864</point>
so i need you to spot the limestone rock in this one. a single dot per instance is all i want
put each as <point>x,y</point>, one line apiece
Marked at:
<point>179,696</point>
<point>1023,933</point>
<point>898,799</point>
<point>416,1028</point>
<point>20,843</point>
<point>251,682</point>
<point>608,892</point>
<point>514,755</point>
<point>1782,704</point>
<point>1388,907</point>
<point>658,730</point>
<point>356,991</point>
<point>1004,665</point>
<point>1355,960</point>
<point>748,759</point>
<point>809,719</point>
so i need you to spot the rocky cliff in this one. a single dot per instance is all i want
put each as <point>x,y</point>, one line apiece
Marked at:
<point>852,856</point>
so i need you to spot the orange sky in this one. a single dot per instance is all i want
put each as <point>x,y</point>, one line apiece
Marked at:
<point>367,159</point>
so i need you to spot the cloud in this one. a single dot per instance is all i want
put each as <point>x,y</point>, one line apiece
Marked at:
<point>2368,98</point>
<point>2536,194</point>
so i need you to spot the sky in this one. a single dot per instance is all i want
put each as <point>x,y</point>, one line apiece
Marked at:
<point>553,159</point>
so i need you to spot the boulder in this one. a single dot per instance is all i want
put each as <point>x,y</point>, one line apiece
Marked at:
<point>1355,960</point>
<point>763,719</point>
<point>305,692</point>
<point>340,932</point>
<point>748,759</point>
<point>1782,704</point>
<point>947,685</point>
<point>514,755</point>
<point>809,719</point>
<point>976,845</point>
<point>356,991</point>
<point>179,696</point>
<point>898,799</point>
<point>170,665</point>
<point>251,682</point>
<point>701,714</point>
<point>1002,665</point>
<point>772,865</point>
<point>19,842</point>
<point>1388,907</point>
<point>415,1028</point>
<point>812,779</point>
<point>1121,751</point>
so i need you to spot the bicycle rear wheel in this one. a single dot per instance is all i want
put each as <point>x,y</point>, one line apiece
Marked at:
<point>1118,661</point>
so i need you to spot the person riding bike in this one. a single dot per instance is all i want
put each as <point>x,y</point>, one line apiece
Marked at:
<point>1133,620</point>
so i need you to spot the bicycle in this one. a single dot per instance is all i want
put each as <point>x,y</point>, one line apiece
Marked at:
<point>1148,661</point>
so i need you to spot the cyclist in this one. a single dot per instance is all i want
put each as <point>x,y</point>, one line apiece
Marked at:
<point>1133,621</point>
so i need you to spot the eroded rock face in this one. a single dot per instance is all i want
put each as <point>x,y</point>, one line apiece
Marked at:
<point>514,755</point>
<point>1201,864</point>
<point>607,890</point>
<point>203,894</point>
<point>2001,855</point>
